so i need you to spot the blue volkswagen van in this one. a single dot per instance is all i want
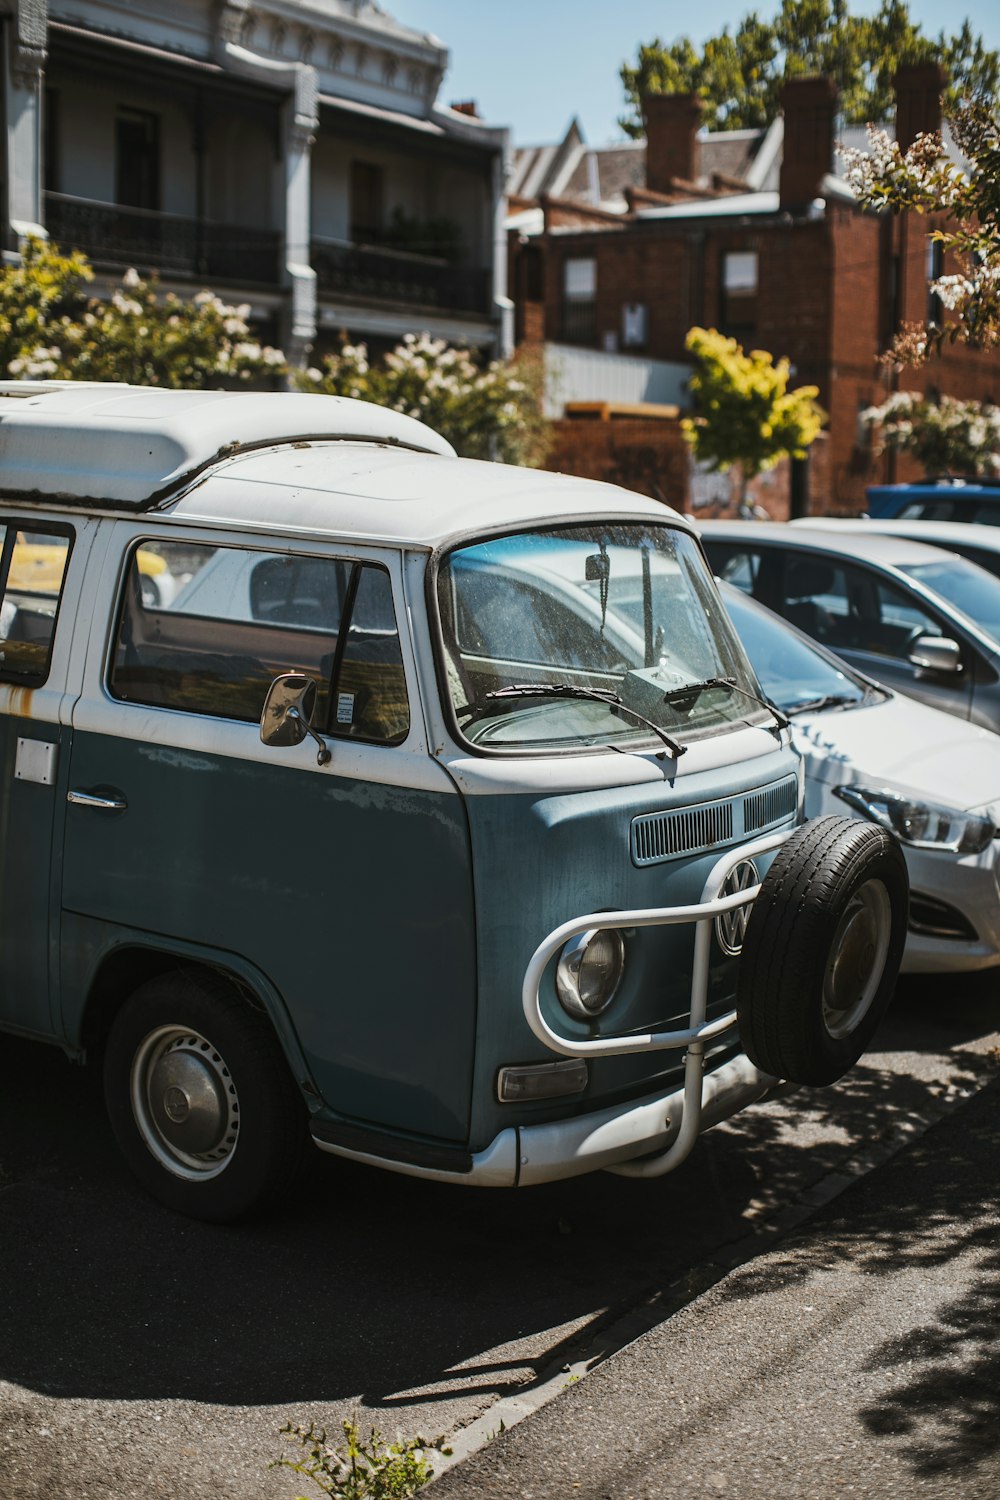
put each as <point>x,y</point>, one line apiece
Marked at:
<point>428,809</point>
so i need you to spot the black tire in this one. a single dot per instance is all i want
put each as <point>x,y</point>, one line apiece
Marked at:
<point>201,1100</point>
<point>818,968</point>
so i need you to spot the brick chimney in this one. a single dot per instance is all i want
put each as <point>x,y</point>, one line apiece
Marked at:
<point>672,123</point>
<point>810,107</point>
<point>918,101</point>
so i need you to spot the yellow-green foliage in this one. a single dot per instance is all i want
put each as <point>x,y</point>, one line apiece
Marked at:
<point>744,412</point>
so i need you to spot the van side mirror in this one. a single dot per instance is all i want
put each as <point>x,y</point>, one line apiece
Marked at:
<point>287,715</point>
<point>935,653</point>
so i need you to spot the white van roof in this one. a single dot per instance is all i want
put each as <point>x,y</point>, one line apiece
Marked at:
<point>132,447</point>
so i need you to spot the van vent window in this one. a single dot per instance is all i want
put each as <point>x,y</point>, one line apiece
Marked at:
<point>32,573</point>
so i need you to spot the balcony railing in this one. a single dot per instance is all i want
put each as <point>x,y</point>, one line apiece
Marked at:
<point>170,244</point>
<point>385,275</point>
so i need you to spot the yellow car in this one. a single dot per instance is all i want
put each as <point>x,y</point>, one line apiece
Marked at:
<point>38,564</point>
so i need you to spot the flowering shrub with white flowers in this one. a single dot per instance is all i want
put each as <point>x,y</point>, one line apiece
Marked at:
<point>925,181</point>
<point>491,411</point>
<point>49,329</point>
<point>946,436</point>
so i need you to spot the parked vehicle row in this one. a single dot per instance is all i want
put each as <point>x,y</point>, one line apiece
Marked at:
<point>437,813</point>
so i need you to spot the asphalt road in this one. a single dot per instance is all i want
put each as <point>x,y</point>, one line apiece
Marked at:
<point>144,1356</point>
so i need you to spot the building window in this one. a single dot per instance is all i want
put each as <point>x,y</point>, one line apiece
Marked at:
<point>579,310</point>
<point>137,159</point>
<point>738,310</point>
<point>935,270</point>
<point>367,196</point>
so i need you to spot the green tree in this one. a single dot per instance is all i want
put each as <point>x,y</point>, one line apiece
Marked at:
<point>739,74</point>
<point>946,436</point>
<point>49,329</point>
<point>491,411</point>
<point>965,206</point>
<point>744,413</point>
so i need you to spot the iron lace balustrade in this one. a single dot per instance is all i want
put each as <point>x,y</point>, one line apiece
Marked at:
<point>170,244</point>
<point>387,275</point>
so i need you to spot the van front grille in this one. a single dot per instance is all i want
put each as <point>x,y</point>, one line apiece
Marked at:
<point>692,830</point>
<point>770,805</point>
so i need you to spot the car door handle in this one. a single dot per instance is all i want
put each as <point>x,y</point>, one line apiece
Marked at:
<point>100,804</point>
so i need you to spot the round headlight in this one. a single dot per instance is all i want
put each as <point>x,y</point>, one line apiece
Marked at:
<point>589,972</point>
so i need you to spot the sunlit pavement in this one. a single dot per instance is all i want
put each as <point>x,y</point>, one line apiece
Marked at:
<point>143,1355</point>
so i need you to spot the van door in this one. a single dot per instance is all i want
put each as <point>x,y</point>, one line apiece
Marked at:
<point>347,885</point>
<point>42,569</point>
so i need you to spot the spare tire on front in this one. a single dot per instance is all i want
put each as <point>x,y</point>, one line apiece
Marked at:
<point>822,950</point>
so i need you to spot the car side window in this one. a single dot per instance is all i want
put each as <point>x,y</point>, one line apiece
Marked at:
<point>739,566</point>
<point>816,596</point>
<point>32,573</point>
<point>207,629</point>
<point>900,622</point>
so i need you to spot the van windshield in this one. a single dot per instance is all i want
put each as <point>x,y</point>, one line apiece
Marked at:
<point>623,611</point>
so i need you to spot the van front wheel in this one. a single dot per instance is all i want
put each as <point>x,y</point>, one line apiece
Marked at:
<point>200,1099</point>
<point>822,950</point>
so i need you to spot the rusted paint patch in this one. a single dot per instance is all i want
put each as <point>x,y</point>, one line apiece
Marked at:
<point>16,700</point>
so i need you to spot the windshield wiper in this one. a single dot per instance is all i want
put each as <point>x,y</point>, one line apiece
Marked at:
<point>571,690</point>
<point>829,700</point>
<point>693,689</point>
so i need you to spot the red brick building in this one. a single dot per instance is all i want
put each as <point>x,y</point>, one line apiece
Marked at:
<point>773,250</point>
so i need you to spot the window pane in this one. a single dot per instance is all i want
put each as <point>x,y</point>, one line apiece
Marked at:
<point>226,621</point>
<point>35,562</point>
<point>580,279</point>
<point>222,624</point>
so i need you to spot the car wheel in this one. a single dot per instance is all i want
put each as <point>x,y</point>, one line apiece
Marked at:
<point>822,950</point>
<point>200,1099</point>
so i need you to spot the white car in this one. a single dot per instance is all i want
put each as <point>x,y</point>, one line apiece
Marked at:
<point>931,778</point>
<point>980,544</point>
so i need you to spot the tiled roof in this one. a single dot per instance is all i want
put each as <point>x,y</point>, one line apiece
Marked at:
<point>601,174</point>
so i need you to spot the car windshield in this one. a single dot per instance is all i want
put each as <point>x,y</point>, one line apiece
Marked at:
<point>793,675</point>
<point>969,588</point>
<point>580,615</point>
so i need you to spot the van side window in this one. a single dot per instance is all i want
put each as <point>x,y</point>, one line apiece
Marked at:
<point>207,629</point>
<point>32,572</point>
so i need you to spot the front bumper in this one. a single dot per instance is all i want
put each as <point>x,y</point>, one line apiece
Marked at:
<point>527,1155</point>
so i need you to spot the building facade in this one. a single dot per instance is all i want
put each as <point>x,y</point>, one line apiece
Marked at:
<point>627,254</point>
<point>290,154</point>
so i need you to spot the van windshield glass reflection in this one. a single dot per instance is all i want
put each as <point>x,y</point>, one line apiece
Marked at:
<point>628,611</point>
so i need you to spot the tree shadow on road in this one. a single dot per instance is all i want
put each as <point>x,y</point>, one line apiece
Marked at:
<point>926,1227</point>
<point>412,1294</point>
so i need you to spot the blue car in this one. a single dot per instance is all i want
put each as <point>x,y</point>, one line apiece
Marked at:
<point>937,500</point>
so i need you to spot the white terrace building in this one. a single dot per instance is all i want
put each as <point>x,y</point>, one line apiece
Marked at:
<point>287,153</point>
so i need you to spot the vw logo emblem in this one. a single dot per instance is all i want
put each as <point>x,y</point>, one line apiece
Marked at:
<point>731,926</point>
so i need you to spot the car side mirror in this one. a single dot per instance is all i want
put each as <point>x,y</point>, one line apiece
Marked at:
<point>287,715</point>
<point>935,653</point>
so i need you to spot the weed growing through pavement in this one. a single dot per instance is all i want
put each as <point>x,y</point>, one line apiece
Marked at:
<point>360,1469</point>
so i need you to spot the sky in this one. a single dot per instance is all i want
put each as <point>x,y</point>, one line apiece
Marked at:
<point>534,64</point>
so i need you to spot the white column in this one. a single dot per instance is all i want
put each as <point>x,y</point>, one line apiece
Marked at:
<point>502,304</point>
<point>25,37</point>
<point>300,120</point>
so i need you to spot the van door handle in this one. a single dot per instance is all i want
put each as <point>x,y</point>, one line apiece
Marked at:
<point>100,804</point>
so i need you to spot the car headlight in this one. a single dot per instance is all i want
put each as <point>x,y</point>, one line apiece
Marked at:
<point>923,825</point>
<point>589,972</point>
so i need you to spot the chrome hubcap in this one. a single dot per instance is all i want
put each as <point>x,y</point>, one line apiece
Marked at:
<point>857,959</point>
<point>185,1102</point>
